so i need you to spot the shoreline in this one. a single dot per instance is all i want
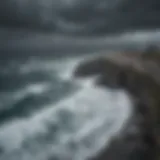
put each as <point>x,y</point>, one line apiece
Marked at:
<point>138,74</point>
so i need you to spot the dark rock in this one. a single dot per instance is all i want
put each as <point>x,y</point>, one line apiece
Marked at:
<point>90,68</point>
<point>139,74</point>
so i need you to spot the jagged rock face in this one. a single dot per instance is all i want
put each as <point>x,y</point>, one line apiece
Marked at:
<point>91,68</point>
<point>99,67</point>
<point>139,74</point>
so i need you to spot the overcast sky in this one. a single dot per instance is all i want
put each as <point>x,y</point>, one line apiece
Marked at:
<point>80,15</point>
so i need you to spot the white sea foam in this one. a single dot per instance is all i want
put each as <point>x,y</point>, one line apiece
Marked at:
<point>96,115</point>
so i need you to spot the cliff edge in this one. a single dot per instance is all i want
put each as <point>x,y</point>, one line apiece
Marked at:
<point>139,74</point>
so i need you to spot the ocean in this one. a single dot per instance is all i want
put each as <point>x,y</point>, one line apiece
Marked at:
<point>45,112</point>
<point>48,114</point>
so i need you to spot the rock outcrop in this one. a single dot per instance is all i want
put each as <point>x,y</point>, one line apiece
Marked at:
<point>139,74</point>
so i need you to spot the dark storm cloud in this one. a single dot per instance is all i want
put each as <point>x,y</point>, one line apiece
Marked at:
<point>51,13</point>
<point>81,16</point>
<point>27,12</point>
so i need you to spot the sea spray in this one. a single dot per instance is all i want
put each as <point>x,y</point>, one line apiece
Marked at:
<point>75,127</point>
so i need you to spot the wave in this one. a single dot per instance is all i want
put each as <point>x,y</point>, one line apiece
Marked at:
<point>75,127</point>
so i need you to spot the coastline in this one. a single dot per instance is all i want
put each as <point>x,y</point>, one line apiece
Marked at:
<point>138,74</point>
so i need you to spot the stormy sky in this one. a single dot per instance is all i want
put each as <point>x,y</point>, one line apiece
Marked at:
<point>80,15</point>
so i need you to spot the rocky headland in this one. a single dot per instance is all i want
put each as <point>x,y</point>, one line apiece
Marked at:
<point>139,74</point>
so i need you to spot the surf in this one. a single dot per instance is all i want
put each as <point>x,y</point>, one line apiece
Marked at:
<point>78,125</point>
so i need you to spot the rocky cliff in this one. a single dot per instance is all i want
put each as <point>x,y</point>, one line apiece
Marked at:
<point>138,73</point>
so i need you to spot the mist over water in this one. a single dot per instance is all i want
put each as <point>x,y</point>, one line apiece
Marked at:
<point>46,113</point>
<point>34,27</point>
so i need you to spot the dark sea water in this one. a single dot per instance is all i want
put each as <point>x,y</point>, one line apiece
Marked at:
<point>46,114</point>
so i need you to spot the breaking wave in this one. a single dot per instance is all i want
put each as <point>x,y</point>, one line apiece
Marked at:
<point>74,120</point>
